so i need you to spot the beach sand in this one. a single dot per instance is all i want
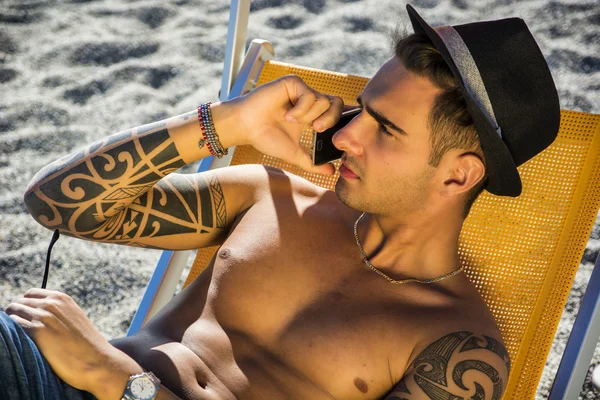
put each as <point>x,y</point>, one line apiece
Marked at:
<point>72,72</point>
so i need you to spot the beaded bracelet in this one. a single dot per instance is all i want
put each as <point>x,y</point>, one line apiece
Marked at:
<point>209,133</point>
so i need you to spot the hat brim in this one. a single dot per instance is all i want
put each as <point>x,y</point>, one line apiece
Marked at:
<point>503,176</point>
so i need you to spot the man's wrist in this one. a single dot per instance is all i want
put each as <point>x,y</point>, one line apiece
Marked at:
<point>110,382</point>
<point>142,386</point>
<point>227,123</point>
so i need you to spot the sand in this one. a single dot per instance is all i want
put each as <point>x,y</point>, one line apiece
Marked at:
<point>73,72</point>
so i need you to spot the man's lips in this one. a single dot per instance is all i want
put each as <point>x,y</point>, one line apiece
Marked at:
<point>347,172</point>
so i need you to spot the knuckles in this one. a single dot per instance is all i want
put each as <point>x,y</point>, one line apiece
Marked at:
<point>291,78</point>
<point>308,98</point>
<point>45,319</point>
<point>29,293</point>
<point>311,94</point>
<point>60,296</point>
<point>336,99</point>
<point>53,301</point>
<point>52,305</point>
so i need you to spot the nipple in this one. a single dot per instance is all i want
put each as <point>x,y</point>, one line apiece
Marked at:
<point>361,385</point>
<point>225,254</point>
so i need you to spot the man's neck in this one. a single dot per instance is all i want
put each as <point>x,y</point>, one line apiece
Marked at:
<point>421,248</point>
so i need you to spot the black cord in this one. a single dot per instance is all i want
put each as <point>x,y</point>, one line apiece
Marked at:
<point>55,237</point>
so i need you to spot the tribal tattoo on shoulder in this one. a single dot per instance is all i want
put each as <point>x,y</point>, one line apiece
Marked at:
<point>118,190</point>
<point>438,371</point>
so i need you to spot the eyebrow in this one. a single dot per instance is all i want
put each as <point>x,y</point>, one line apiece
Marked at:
<point>380,117</point>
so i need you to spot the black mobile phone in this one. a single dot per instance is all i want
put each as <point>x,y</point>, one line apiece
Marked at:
<point>323,149</point>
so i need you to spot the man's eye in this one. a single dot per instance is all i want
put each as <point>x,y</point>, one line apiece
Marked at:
<point>384,130</point>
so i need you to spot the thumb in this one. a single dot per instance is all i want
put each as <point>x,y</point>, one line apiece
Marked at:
<point>304,160</point>
<point>289,150</point>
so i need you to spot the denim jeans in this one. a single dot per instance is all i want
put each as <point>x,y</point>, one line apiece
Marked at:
<point>24,372</point>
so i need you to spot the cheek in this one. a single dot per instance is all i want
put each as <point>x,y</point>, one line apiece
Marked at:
<point>400,163</point>
<point>392,172</point>
<point>399,159</point>
<point>401,172</point>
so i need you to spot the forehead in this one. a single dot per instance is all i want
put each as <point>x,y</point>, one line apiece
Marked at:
<point>402,96</point>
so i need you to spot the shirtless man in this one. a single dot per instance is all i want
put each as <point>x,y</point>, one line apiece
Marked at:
<point>288,308</point>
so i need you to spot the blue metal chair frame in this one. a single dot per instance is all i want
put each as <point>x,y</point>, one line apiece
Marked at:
<point>582,343</point>
<point>239,77</point>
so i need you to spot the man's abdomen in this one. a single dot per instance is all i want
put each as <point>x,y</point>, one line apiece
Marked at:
<point>206,367</point>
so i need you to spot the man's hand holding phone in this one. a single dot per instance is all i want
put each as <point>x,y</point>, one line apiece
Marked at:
<point>323,150</point>
<point>273,116</point>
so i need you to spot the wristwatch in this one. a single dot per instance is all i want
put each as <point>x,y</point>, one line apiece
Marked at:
<point>142,387</point>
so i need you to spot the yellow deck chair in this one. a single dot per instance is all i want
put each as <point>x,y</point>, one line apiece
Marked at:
<point>521,253</point>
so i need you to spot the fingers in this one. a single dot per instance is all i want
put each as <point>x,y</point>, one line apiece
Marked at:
<point>289,150</point>
<point>304,161</point>
<point>328,119</point>
<point>310,106</point>
<point>29,308</point>
<point>27,317</point>
<point>290,105</point>
<point>26,324</point>
<point>37,315</point>
<point>38,304</point>
<point>325,169</point>
<point>39,293</point>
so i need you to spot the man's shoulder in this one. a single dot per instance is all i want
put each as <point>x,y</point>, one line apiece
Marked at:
<point>457,316</point>
<point>284,183</point>
<point>444,367</point>
<point>449,350</point>
<point>267,182</point>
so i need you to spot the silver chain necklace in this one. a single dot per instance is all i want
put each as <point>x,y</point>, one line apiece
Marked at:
<point>366,260</point>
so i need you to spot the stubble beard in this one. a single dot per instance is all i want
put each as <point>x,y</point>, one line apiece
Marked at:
<point>408,197</point>
<point>341,191</point>
<point>350,198</point>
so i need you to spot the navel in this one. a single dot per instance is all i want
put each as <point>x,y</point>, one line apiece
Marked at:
<point>361,385</point>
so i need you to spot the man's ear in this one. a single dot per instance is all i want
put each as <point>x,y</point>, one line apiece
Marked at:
<point>463,172</point>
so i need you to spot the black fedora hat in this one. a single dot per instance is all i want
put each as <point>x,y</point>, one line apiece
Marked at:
<point>508,89</point>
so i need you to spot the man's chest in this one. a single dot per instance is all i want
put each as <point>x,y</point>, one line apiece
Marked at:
<point>294,282</point>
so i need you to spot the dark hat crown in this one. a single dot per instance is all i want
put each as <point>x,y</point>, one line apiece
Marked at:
<point>502,59</point>
<point>518,82</point>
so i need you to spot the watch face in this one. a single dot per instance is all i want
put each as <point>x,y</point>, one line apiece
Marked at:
<point>143,388</point>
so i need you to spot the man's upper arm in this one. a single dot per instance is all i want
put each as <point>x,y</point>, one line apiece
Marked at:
<point>186,211</point>
<point>459,365</point>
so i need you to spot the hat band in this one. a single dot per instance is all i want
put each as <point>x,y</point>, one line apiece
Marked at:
<point>460,54</point>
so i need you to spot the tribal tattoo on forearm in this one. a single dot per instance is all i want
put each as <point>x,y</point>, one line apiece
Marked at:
<point>117,190</point>
<point>449,358</point>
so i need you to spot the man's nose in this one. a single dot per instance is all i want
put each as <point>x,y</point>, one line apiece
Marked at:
<point>347,139</point>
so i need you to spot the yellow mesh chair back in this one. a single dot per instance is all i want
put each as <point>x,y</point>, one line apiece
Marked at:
<point>521,253</point>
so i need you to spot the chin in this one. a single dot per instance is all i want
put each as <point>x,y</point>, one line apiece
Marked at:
<point>343,193</point>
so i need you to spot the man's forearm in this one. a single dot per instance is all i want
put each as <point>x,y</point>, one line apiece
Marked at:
<point>80,191</point>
